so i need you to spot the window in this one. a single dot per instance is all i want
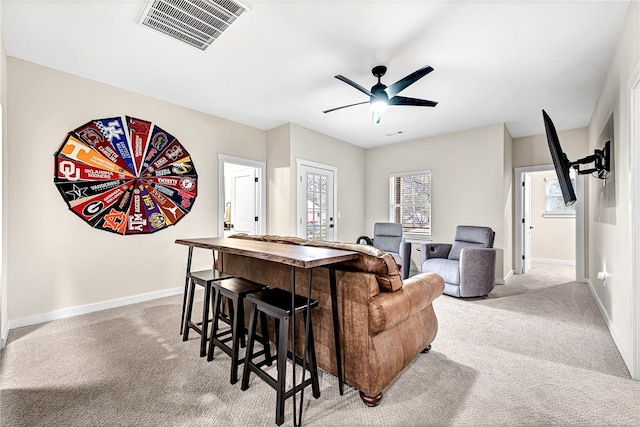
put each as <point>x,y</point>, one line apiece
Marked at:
<point>553,201</point>
<point>411,203</point>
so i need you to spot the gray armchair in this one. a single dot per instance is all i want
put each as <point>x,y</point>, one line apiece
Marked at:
<point>468,266</point>
<point>387,236</point>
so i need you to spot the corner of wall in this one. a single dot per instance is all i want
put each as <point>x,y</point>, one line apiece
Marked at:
<point>3,194</point>
<point>279,204</point>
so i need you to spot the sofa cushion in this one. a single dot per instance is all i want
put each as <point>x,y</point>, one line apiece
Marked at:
<point>448,269</point>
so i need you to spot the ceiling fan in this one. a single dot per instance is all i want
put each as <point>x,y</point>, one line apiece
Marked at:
<point>381,96</point>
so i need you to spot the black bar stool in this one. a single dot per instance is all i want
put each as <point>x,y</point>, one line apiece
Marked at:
<point>204,278</point>
<point>234,291</point>
<point>187,283</point>
<point>276,303</point>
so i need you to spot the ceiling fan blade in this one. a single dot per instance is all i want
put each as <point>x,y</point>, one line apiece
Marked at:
<point>376,117</point>
<point>345,106</point>
<point>354,84</point>
<point>401,84</point>
<point>403,100</point>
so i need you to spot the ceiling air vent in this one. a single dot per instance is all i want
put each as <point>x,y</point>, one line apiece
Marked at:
<point>195,22</point>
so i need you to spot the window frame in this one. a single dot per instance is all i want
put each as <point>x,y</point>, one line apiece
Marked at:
<point>393,205</point>
<point>569,212</point>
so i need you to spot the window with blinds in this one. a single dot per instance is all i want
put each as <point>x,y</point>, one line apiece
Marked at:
<point>553,201</point>
<point>411,202</point>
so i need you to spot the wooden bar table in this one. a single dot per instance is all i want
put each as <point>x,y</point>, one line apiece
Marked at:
<point>306,257</point>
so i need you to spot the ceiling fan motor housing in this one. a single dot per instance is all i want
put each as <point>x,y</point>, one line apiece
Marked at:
<point>379,93</point>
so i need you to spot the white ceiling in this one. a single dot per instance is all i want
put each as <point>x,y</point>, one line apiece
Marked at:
<point>500,61</point>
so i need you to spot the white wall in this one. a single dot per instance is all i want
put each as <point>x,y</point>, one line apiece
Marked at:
<point>609,218</point>
<point>468,183</point>
<point>56,261</point>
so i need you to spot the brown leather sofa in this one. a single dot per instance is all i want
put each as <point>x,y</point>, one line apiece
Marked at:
<point>385,323</point>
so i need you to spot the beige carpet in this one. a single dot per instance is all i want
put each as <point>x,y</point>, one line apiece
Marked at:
<point>535,352</point>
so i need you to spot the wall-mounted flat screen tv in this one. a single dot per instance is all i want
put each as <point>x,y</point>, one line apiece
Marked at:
<point>560,161</point>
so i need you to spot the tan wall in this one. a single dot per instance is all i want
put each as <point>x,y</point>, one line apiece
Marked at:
<point>507,206</point>
<point>290,142</point>
<point>609,221</point>
<point>468,183</point>
<point>280,208</point>
<point>3,189</point>
<point>534,150</point>
<point>349,160</point>
<point>552,238</point>
<point>56,260</point>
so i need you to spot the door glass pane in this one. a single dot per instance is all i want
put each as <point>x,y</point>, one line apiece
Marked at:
<point>316,206</point>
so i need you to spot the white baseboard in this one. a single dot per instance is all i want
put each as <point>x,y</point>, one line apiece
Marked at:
<point>622,348</point>
<point>5,335</point>
<point>84,309</point>
<point>505,280</point>
<point>554,261</point>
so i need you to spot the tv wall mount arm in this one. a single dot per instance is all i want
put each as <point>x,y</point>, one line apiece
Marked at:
<point>600,160</point>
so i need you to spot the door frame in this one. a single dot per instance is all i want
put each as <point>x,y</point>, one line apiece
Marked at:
<point>299,214</point>
<point>526,222</point>
<point>261,202</point>
<point>518,231</point>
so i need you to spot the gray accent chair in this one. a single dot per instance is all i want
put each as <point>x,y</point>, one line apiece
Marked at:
<point>387,236</point>
<point>468,266</point>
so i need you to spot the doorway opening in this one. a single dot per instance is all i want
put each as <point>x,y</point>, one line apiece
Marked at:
<point>241,201</point>
<point>524,229</point>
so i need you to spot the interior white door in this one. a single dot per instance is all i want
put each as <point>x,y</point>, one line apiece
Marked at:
<point>526,224</point>
<point>316,220</point>
<point>241,190</point>
<point>243,217</point>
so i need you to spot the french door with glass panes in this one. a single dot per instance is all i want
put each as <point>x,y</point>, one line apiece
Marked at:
<point>315,219</point>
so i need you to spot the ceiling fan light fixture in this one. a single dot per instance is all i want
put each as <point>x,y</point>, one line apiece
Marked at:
<point>378,106</point>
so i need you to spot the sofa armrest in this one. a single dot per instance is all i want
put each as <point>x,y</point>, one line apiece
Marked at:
<point>387,309</point>
<point>434,250</point>
<point>477,270</point>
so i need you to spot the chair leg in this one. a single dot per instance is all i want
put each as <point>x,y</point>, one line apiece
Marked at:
<point>205,320</point>
<point>187,316</point>
<point>247,359</point>
<point>313,368</point>
<point>264,327</point>
<point>236,332</point>
<point>282,369</point>
<point>215,299</point>
<point>240,309</point>
<point>184,304</point>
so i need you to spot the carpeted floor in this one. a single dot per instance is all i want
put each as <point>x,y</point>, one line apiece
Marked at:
<point>535,352</point>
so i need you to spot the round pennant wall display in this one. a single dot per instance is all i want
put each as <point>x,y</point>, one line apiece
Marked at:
<point>125,175</point>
